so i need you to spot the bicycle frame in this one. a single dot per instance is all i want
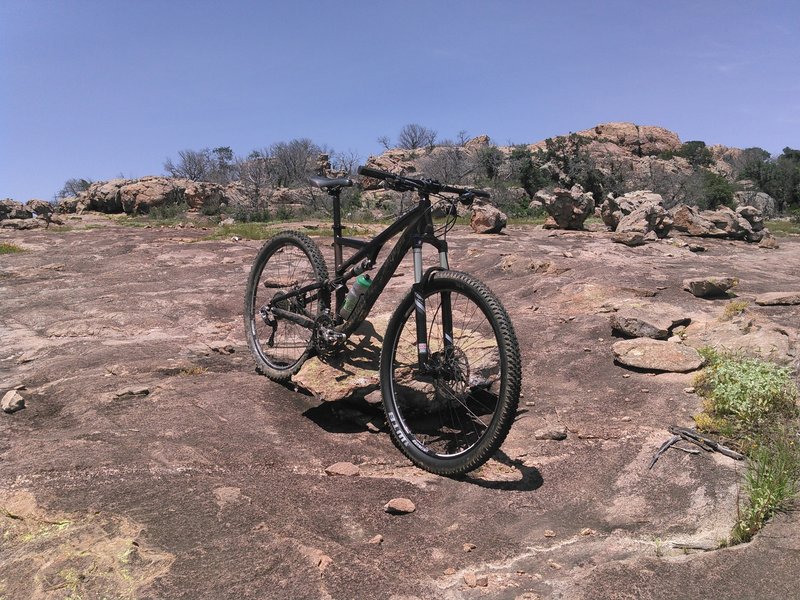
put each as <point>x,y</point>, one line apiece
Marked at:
<point>417,229</point>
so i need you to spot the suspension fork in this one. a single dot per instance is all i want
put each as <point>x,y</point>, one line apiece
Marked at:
<point>418,289</point>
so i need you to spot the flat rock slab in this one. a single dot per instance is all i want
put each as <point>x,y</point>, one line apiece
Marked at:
<point>655,355</point>
<point>654,320</point>
<point>778,299</point>
<point>761,338</point>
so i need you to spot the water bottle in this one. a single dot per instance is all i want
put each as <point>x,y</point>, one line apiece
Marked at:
<point>354,295</point>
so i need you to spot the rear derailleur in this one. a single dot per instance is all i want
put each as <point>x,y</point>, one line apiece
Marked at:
<point>327,341</point>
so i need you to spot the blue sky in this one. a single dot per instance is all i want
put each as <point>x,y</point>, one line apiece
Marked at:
<point>99,89</point>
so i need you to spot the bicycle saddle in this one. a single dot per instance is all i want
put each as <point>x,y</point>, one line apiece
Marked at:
<point>327,182</point>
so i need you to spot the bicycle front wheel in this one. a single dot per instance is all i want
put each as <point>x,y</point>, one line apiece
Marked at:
<point>288,262</point>
<point>451,415</point>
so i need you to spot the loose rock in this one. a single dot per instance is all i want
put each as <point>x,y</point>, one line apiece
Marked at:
<point>343,469</point>
<point>654,320</point>
<point>629,238</point>
<point>551,433</point>
<point>709,287</point>
<point>12,402</point>
<point>399,506</point>
<point>377,540</point>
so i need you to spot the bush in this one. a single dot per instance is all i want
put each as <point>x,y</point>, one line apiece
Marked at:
<point>746,390</point>
<point>168,211</point>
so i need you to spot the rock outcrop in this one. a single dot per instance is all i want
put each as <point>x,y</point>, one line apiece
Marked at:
<point>138,196</point>
<point>569,208</point>
<point>724,222</point>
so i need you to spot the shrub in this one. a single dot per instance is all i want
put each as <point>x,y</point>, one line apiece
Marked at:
<point>746,390</point>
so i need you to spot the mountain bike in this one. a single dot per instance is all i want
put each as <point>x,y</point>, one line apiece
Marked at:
<point>450,369</point>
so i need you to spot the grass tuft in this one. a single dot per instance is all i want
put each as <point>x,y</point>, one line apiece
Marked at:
<point>9,248</point>
<point>734,308</point>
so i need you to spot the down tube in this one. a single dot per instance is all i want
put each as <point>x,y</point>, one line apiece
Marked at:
<point>379,282</point>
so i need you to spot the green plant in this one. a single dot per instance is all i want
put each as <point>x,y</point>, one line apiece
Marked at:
<point>771,483</point>
<point>169,211</point>
<point>746,390</point>
<point>9,248</point>
<point>754,402</point>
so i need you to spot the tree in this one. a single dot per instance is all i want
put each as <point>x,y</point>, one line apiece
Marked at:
<point>447,163</point>
<point>293,160</point>
<point>192,164</point>
<point>73,187</point>
<point>255,175</point>
<point>414,136</point>
<point>717,191</point>
<point>528,174</point>
<point>696,153</point>
<point>346,162</point>
<point>488,161</point>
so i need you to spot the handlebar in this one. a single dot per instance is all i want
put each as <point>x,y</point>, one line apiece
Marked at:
<point>423,186</point>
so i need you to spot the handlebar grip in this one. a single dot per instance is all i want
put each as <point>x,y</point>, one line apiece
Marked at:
<point>374,173</point>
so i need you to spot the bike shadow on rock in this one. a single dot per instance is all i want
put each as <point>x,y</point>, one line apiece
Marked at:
<point>526,479</point>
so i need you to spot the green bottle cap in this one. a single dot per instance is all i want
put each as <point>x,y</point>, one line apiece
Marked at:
<point>364,280</point>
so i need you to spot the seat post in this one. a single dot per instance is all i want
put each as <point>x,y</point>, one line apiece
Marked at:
<point>337,226</point>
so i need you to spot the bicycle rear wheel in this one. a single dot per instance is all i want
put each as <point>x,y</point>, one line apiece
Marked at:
<point>287,262</point>
<point>452,416</point>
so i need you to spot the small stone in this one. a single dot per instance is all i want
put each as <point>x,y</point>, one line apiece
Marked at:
<point>626,376</point>
<point>587,531</point>
<point>136,390</point>
<point>399,506</point>
<point>551,433</point>
<point>377,540</point>
<point>554,565</point>
<point>325,561</point>
<point>530,403</point>
<point>470,579</point>
<point>343,469</point>
<point>626,419</point>
<point>449,571</point>
<point>482,581</point>
<point>689,390</point>
<point>469,547</point>
<point>549,533</point>
<point>568,254</point>
<point>12,402</point>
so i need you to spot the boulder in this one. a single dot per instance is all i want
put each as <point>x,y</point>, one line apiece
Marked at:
<point>763,202</point>
<point>629,238</point>
<point>655,355</point>
<point>487,218</point>
<point>11,209</point>
<point>641,211</point>
<point>768,241</point>
<point>753,216</point>
<point>720,223</point>
<point>12,402</point>
<point>709,287</point>
<point>654,320</point>
<point>569,208</point>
